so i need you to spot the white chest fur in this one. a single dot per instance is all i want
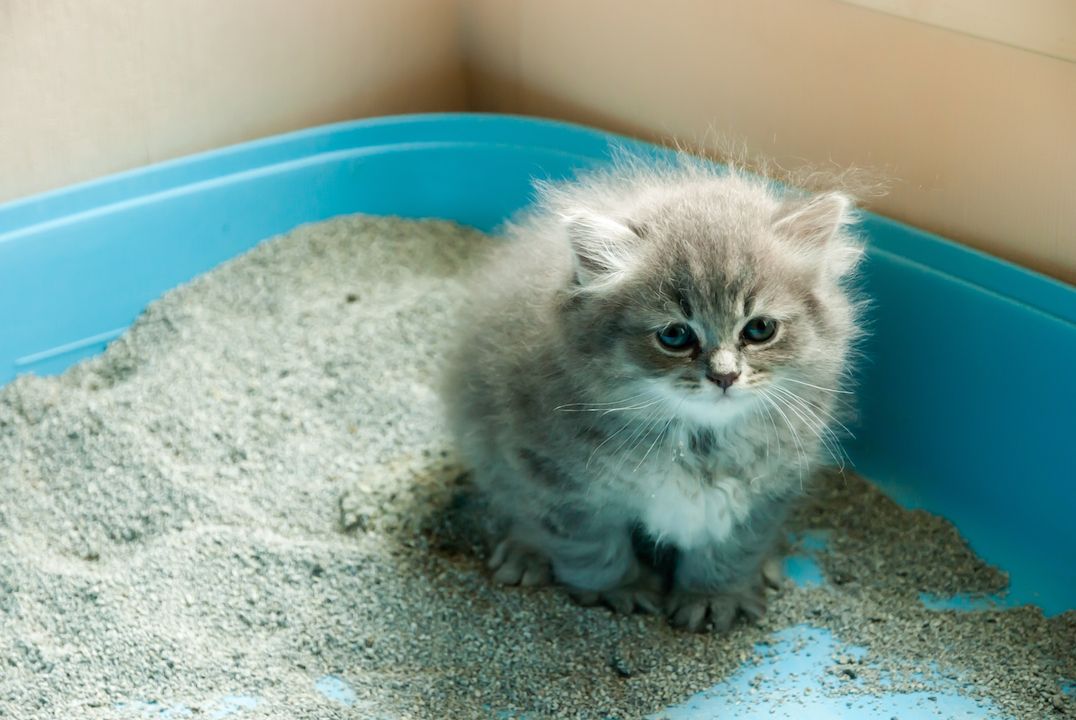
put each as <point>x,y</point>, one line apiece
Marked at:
<point>681,511</point>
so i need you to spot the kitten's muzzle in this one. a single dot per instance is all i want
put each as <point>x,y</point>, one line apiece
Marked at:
<point>722,380</point>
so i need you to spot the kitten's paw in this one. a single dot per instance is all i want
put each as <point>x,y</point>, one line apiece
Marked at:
<point>773,574</point>
<point>515,564</point>
<point>695,610</point>
<point>643,594</point>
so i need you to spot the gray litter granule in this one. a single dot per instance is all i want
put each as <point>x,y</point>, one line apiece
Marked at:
<point>246,506</point>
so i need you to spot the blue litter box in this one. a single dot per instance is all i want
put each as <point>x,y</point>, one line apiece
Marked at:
<point>968,398</point>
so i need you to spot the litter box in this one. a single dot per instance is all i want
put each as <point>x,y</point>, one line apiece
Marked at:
<point>968,394</point>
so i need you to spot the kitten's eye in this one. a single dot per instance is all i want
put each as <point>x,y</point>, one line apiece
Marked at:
<point>759,330</point>
<point>677,336</point>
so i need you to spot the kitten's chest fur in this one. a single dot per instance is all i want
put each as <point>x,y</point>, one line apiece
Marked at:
<point>687,514</point>
<point>705,490</point>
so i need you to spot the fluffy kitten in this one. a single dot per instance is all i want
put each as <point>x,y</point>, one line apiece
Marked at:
<point>656,354</point>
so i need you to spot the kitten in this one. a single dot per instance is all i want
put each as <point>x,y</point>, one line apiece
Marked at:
<point>656,353</point>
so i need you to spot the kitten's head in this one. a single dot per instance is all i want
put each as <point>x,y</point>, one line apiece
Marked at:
<point>710,291</point>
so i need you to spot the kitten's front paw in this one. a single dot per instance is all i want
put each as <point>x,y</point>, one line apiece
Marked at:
<point>644,594</point>
<point>515,564</point>
<point>773,573</point>
<point>694,610</point>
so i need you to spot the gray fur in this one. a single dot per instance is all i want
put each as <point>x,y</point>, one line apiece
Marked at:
<point>580,428</point>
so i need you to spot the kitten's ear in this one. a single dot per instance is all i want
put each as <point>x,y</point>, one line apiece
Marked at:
<point>819,225</point>
<point>602,246</point>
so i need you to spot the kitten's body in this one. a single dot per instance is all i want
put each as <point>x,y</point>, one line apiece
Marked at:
<point>582,429</point>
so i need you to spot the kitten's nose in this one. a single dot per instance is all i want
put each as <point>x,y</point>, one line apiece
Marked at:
<point>724,380</point>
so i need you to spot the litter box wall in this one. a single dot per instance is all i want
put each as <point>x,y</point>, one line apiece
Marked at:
<point>968,396</point>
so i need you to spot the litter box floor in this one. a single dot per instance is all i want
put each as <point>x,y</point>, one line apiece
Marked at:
<point>245,508</point>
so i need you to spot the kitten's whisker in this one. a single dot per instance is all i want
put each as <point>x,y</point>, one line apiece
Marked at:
<point>795,434</point>
<point>642,438</point>
<point>649,449</point>
<point>809,404</point>
<point>660,435</point>
<point>776,434</point>
<point>818,407</point>
<point>833,442</point>
<point>637,439</point>
<point>823,440</point>
<point>593,452</point>
<point>608,411</point>
<point>574,406</point>
<point>633,407</point>
<point>631,421</point>
<point>828,440</point>
<point>817,387</point>
<point>594,405</point>
<point>627,443</point>
<point>795,411</point>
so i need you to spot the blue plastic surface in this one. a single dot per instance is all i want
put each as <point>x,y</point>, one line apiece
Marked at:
<point>968,396</point>
<point>791,681</point>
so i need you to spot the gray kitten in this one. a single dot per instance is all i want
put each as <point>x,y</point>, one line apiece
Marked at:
<point>648,377</point>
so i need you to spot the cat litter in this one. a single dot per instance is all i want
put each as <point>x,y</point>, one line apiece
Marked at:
<point>247,508</point>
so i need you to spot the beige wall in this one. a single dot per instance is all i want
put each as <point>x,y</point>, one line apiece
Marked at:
<point>89,87</point>
<point>980,136</point>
